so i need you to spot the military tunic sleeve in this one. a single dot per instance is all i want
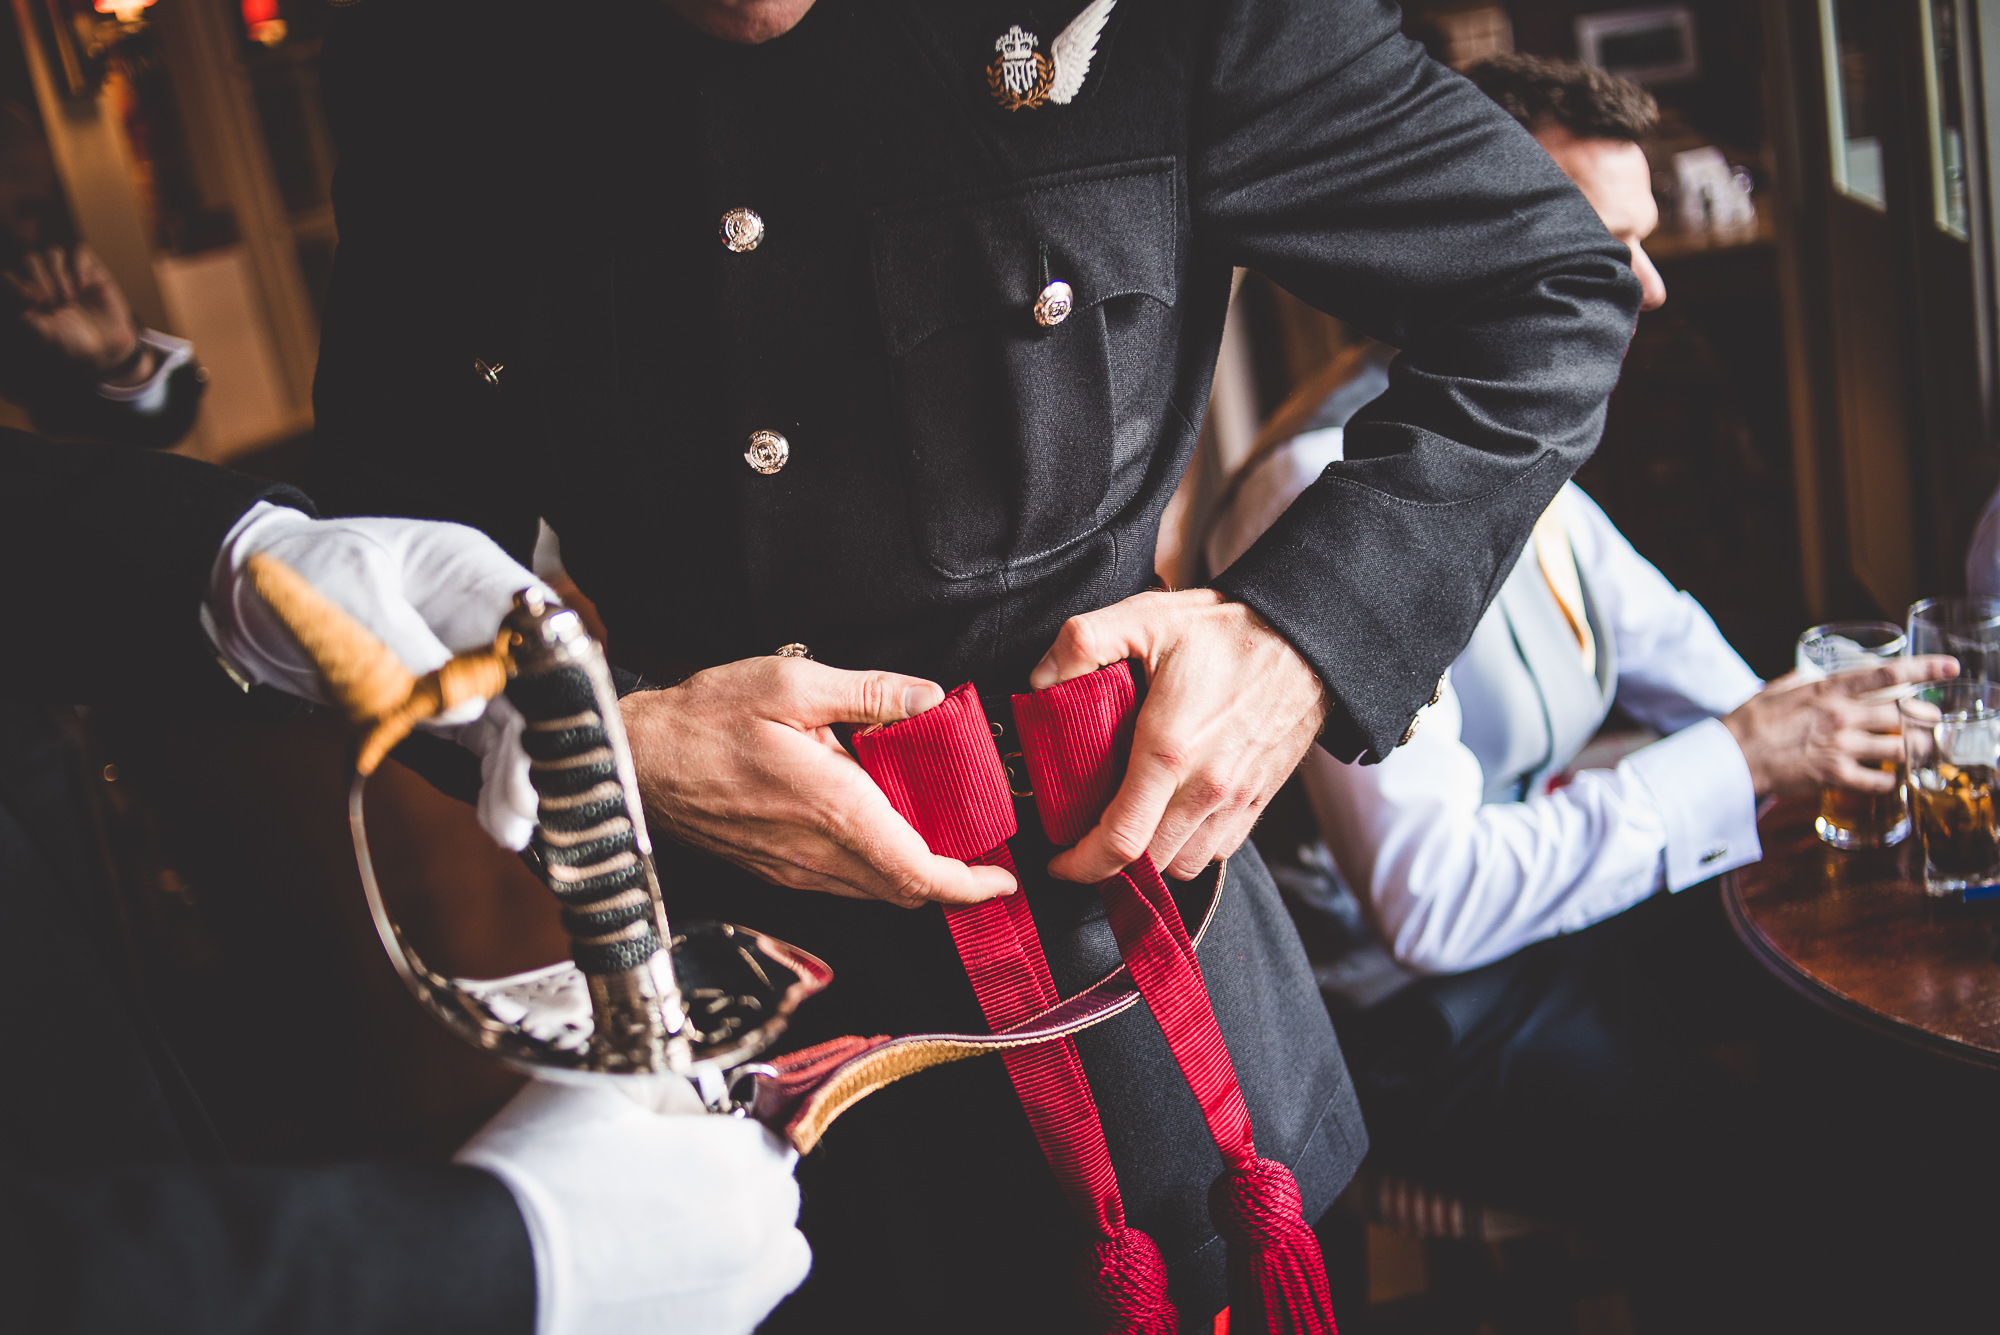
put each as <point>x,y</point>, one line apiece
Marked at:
<point>116,545</point>
<point>376,1248</point>
<point>1332,155</point>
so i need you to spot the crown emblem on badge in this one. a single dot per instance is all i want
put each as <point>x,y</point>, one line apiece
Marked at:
<point>1022,78</point>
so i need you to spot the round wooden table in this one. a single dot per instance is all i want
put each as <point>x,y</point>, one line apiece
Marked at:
<point>1855,932</point>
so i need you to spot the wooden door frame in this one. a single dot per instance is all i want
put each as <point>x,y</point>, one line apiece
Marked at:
<point>1796,109</point>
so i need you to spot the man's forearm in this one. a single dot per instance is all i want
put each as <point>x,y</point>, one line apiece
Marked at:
<point>1398,197</point>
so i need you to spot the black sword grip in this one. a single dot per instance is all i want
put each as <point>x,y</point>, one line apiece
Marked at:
<point>586,841</point>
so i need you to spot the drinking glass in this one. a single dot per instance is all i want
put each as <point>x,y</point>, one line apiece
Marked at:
<point>1850,819</point>
<point>1951,737</point>
<point>1966,628</point>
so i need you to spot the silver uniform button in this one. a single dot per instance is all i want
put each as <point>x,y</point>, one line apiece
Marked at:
<point>1054,305</point>
<point>768,451</point>
<point>742,230</point>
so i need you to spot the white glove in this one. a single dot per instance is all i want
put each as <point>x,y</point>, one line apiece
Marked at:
<point>427,590</point>
<point>645,1223</point>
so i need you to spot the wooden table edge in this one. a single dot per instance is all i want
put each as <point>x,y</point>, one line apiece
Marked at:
<point>1832,999</point>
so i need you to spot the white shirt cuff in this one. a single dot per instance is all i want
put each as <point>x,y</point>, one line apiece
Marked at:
<point>149,397</point>
<point>1701,786</point>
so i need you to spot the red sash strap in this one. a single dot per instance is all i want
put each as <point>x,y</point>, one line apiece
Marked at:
<point>941,772</point>
<point>1074,738</point>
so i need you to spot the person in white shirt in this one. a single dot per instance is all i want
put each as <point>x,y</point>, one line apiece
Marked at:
<point>1539,1064</point>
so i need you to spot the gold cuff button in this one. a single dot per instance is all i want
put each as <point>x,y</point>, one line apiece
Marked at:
<point>742,230</point>
<point>768,451</point>
<point>1054,305</point>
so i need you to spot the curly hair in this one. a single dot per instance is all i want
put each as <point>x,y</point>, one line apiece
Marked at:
<point>1539,91</point>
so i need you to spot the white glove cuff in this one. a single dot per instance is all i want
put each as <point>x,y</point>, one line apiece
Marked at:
<point>239,625</point>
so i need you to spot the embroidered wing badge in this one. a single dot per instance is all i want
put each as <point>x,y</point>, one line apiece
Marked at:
<point>1021,77</point>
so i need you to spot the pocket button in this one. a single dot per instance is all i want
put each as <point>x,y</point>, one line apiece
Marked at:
<point>741,230</point>
<point>768,451</point>
<point>1054,305</point>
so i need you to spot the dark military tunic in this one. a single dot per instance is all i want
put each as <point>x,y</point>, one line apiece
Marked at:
<point>545,187</point>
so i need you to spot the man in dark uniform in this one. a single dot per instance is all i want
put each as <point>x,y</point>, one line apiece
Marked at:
<point>884,329</point>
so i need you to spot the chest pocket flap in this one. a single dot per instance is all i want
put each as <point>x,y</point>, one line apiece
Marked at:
<point>1011,429</point>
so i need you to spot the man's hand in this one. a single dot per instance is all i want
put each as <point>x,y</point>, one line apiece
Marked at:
<point>741,761</point>
<point>1798,735</point>
<point>71,303</point>
<point>1230,708</point>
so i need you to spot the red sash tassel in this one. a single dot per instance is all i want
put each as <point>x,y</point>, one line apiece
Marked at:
<point>942,772</point>
<point>1074,737</point>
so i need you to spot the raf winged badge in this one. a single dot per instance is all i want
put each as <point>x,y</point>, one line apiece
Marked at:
<point>1021,78</point>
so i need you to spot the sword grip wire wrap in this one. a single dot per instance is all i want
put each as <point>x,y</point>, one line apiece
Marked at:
<point>586,840</point>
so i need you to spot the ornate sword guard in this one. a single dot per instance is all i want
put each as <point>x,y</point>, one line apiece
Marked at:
<point>741,987</point>
<point>636,1001</point>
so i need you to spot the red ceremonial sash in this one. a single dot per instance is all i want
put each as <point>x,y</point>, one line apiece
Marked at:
<point>941,771</point>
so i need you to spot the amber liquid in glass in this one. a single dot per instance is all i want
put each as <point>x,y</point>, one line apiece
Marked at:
<point>1849,819</point>
<point>1956,817</point>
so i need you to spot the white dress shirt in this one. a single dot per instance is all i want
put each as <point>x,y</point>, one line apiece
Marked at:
<point>1454,882</point>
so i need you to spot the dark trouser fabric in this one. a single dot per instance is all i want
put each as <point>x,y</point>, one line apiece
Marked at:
<point>1758,1164</point>
<point>929,1206</point>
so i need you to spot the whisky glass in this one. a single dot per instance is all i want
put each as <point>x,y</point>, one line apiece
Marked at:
<point>1951,740</point>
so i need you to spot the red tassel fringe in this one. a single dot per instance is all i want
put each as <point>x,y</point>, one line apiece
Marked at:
<point>1277,1278</point>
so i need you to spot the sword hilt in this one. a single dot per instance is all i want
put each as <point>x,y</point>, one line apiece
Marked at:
<point>590,843</point>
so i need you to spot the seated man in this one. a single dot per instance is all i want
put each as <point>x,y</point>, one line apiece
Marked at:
<point>1546,1066</point>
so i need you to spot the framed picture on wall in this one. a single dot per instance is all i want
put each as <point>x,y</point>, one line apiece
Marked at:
<point>1651,45</point>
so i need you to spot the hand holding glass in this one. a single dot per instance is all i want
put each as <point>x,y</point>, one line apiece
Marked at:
<point>1848,817</point>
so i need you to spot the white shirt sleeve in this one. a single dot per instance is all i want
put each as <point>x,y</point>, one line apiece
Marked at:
<point>149,397</point>
<point>1454,883</point>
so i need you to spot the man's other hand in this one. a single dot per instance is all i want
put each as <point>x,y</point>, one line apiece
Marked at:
<point>72,304</point>
<point>1799,735</point>
<point>741,761</point>
<point>1230,709</point>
